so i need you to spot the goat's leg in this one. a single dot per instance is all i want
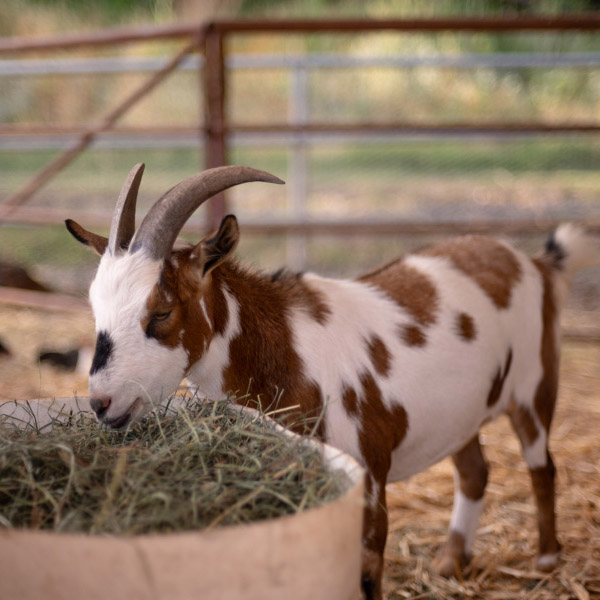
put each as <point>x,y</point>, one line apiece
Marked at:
<point>470,479</point>
<point>534,440</point>
<point>374,536</point>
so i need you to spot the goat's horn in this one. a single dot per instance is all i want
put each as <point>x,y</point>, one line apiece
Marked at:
<point>166,218</point>
<point>122,227</point>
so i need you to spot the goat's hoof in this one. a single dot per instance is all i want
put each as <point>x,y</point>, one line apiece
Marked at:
<point>547,562</point>
<point>450,564</point>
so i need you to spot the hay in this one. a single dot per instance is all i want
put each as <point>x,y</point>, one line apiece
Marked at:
<point>197,467</point>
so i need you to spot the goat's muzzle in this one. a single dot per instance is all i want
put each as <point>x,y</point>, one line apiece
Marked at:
<point>100,405</point>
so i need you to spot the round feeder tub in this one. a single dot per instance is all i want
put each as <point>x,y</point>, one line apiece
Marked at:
<point>315,554</point>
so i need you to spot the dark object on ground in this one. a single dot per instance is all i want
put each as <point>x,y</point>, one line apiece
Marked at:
<point>12,275</point>
<point>63,360</point>
<point>4,351</point>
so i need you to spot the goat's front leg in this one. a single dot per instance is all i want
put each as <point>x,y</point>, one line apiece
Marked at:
<point>470,479</point>
<point>374,536</point>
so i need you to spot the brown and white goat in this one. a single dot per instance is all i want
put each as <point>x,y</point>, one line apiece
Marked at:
<point>405,363</point>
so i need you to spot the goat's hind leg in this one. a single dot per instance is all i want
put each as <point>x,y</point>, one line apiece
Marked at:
<point>534,440</point>
<point>470,479</point>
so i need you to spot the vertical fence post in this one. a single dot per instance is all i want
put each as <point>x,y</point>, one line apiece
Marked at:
<point>298,109</point>
<point>214,124</point>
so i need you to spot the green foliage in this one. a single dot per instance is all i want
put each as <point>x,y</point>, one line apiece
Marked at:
<point>108,10</point>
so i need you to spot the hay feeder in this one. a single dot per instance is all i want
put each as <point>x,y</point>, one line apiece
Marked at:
<point>311,554</point>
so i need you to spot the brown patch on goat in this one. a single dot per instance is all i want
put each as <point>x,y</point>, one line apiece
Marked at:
<point>263,353</point>
<point>380,355</point>
<point>410,288</point>
<point>545,395</point>
<point>465,326</point>
<point>178,291</point>
<point>300,294</point>
<point>524,424</point>
<point>489,263</point>
<point>472,469</point>
<point>350,401</point>
<point>498,381</point>
<point>542,479</point>
<point>389,427</point>
<point>216,307</point>
<point>412,335</point>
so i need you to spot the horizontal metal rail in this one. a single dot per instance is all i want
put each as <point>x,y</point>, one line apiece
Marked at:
<point>30,139</point>
<point>111,37</point>
<point>141,64</point>
<point>383,226</point>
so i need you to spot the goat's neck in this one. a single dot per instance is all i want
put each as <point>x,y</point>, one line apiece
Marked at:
<point>262,359</point>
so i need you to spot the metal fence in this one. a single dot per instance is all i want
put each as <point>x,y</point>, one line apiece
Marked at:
<point>374,193</point>
<point>215,131</point>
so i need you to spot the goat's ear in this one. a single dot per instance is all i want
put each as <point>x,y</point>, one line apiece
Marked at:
<point>96,242</point>
<point>212,251</point>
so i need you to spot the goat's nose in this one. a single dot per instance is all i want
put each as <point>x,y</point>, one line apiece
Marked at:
<point>100,405</point>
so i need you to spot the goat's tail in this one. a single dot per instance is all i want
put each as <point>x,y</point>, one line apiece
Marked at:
<point>571,248</point>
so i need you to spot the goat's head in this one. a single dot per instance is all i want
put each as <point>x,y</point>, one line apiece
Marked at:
<point>142,292</point>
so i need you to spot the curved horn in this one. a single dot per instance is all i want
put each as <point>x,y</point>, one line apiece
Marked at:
<point>122,227</point>
<point>164,221</point>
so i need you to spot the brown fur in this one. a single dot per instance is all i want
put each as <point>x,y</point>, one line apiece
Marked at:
<point>472,469</point>
<point>265,333</point>
<point>380,355</point>
<point>498,381</point>
<point>389,427</point>
<point>302,295</point>
<point>542,480</point>
<point>176,293</point>
<point>523,424</point>
<point>465,325</point>
<point>412,335</point>
<point>545,397</point>
<point>410,288</point>
<point>488,262</point>
<point>350,401</point>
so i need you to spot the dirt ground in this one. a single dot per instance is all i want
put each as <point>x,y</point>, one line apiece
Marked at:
<point>420,508</point>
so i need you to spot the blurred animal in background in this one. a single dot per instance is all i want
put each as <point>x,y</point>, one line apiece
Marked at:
<point>78,359</point>
<point>15,276</point>
<point>4,351</point>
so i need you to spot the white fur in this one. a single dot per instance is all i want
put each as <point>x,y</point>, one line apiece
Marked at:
<point>118,296</point>
<point>465,517</point>
<point>422,379</point>
<point>582,249</point>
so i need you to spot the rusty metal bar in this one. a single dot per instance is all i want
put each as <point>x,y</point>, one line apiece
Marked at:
<point>106,37</point>
<point>42,300</point>
<point>581,21</point>
<point>66,157</point>
<point>557,23</point>
<point>214,128</point>
<point>391,126</point>
<point>388,226</point>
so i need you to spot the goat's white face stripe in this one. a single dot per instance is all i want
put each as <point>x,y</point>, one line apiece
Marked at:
<point>118,296</point>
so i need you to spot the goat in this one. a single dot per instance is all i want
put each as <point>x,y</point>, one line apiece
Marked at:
<point>405,363</point>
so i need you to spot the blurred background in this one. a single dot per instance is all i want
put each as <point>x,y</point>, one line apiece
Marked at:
<point>452,116</point>
<point>388,139</point>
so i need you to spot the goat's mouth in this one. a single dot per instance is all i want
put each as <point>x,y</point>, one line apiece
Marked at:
<point>123,420</point>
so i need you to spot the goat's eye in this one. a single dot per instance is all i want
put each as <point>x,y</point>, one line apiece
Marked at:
<point>161,316</point>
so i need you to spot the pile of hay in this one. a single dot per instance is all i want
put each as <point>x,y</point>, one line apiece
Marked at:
<point>202,465</point>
